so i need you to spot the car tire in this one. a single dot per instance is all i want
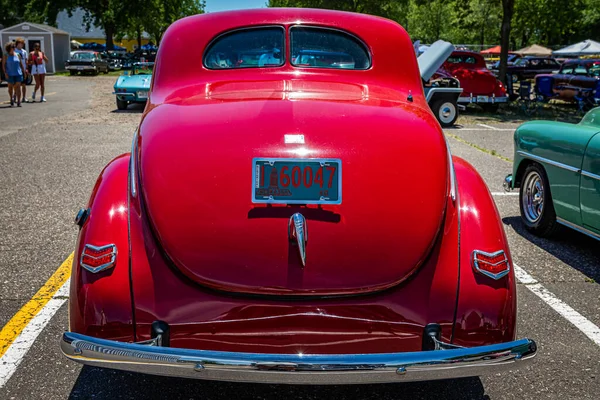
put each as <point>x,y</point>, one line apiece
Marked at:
<point>122,104</point>
<point>445,111</point>
<point>490,107</point>
<point>535,202</point>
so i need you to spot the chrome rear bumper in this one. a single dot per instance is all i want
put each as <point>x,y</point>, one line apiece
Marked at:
<point>312,369</point>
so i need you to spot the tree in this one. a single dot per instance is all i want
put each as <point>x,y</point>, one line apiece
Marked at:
<point>156,15</point>
<point>109,15</point>
<point>508,7</point>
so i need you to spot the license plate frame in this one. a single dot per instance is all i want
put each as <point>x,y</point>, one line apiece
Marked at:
<point>483,99</point>
<point>334,198</point>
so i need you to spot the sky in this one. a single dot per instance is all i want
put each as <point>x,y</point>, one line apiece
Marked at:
<point>223,5</point>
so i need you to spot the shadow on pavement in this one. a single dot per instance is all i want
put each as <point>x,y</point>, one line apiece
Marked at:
<point>109,384</point>
<point>571,247</point>
<point>135,108</point>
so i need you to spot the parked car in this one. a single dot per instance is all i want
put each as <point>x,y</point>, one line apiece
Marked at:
<point>528,67</point>
<point>557,167</point>
<point>577,80</point>
<point>478,83</point>
<point>512,58</point>
<point>442,90</point>
<point>193,257</point>
<point>134,87</point>
<point>87,62</point>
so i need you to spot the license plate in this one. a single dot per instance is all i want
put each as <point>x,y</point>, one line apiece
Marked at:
<point>80,68</point>
<point>296,181</point>
<point>142,95</point>
<point>482,99</point>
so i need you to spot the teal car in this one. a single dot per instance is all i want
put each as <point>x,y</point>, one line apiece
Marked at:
<point>134,87</point>
<point>557,167</point>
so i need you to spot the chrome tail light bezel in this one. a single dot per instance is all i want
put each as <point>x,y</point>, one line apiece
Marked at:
<point>112,252</point>
<point>477,261</point>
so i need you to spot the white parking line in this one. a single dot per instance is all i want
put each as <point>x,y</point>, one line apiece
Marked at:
<point>19,348</point>
<point>505,193</point>
<point>487,126</point>
<point>567,312</point>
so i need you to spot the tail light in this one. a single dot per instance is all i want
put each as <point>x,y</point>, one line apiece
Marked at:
<point>493,265</point>
<point>96,259</point>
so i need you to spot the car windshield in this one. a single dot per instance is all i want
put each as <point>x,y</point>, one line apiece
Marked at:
<point>143,69</point>
<point>327,48</point>
<point>521,62</point>
<point>83,56</point>
<point>247,48</point>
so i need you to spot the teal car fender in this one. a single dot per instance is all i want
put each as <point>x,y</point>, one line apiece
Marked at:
<point>566,152</point>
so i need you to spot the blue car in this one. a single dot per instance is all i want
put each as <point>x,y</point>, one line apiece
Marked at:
<point>133,87</point>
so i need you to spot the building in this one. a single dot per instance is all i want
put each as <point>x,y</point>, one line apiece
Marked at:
<point>79,31</point>
<point>53,42</point>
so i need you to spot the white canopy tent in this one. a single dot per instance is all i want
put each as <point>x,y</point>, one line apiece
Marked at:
<point>585,48</point>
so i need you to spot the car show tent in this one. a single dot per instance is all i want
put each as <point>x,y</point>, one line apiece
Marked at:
<point>53,42</point>
<point>534,50</point>
<point>585,48</point>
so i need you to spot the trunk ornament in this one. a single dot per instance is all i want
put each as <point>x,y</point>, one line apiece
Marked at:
<point>298,234</point>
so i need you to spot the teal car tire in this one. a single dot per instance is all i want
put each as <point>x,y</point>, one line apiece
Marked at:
<point>535,202</point>
<point>121,104</point>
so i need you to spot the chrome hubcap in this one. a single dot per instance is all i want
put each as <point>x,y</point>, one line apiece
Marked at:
<point>447,112</point>
<point>533,197</point>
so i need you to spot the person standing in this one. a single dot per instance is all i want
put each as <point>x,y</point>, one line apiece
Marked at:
<point>19,48</point>
<point>13,70</point>
<point>38,69</point>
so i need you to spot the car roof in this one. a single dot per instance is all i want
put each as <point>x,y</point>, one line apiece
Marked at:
<point>379,35</point>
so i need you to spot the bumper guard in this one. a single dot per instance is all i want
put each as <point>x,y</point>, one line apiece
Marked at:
<point>315,369</point>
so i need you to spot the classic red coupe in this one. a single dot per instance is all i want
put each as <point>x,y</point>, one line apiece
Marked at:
<point>290,212</point>
<point>479,84</point>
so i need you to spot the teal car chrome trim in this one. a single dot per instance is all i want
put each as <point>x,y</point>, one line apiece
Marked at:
<point>548,161</point>
<point>590,175</point>
<point>297,368</point>
<point>577,228</point>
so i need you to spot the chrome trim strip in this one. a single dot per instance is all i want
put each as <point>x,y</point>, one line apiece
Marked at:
<point>315,369</point>
<point>132,165</point>
<point>473,100</point>
<point>451,171</point>
<point>548,161</point>
<point>578,228</point>
<point>434,90</point>
<point>590,175</point>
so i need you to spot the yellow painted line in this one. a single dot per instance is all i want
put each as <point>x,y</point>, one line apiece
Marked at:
<point>19,321</point>
<point>482,149</point>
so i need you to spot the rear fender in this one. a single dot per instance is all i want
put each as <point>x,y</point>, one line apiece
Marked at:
<point>486,311</point>
<point>100,303</point>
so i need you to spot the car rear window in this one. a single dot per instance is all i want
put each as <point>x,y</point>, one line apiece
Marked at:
<point>247,48</point>
<point>327,48</point>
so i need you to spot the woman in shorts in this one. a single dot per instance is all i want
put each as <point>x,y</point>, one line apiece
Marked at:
<point>38,70</point>
<point>12,65</point>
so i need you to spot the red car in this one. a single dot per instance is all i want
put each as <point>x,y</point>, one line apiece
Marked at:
<point>479,84</point>
<point>261,230</point>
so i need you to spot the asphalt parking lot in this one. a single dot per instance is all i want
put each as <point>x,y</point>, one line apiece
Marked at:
<point>50,156</point>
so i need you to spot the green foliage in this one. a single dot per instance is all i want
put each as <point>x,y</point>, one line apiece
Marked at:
<point>478,22</point>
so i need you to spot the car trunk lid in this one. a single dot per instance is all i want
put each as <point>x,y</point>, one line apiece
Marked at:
<point>197,181</point>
